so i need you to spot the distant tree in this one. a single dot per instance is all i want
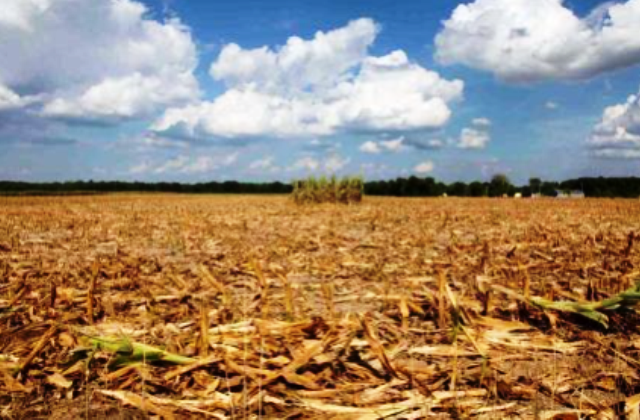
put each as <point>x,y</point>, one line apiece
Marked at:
<point>535,184</point>
<point>478,189</point>
<point>458,189</point>
<point>548,189</point>
<point>499,185</point>
<point>414,187</point>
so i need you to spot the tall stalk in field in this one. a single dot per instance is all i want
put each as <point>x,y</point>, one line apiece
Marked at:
<point>312,190</point>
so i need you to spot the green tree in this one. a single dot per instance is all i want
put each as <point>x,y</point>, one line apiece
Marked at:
<point>499,185</point>
<point>458,189</point>
<point>548,189</point>
<point>477,189</point>
<point>535,184</point>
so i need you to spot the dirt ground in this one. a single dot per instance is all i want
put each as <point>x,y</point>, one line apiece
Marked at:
<point>258,308</point>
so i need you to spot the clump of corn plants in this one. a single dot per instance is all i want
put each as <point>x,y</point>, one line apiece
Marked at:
<point>314,190</point>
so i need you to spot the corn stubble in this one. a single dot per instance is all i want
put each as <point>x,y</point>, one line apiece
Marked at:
<point>253,307</point>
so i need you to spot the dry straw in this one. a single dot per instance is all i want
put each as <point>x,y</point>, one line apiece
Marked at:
<point>273,310</point>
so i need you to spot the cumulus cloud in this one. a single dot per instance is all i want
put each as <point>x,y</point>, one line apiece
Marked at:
<point>266,164</point>
<point>183,164</point>
<point>617,135</point>
<point>393,145</point>
<point>306,163</point>
<point>316,87</point>
<point>9,99</point>
<point>527,41</point>
<point>330,164</point>
<point>99,60</point>
<point>370,147</point>
<point>319,145</point>
<point>299,64</point>
<point>470,138</point>
<point>123,98</point>
<point>474,137</point>
<point>617,153</point>
<point>481,122</point>
<point>140,168</point>
<point>336,163</point>
<point>424,143</point>
<point>424,167</point>
<point>176,164</point>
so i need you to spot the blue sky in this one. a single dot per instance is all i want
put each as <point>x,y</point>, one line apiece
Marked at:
<point>194,90</point>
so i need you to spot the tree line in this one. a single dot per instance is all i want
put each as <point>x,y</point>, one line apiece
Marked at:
<point>101,187</point>
<point>498,186</point>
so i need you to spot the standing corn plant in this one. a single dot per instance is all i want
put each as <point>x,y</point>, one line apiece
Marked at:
<point>348,190</point>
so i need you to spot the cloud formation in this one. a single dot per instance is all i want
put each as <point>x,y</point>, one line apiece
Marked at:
<point>528,41</point>
<point>9,99</point>
<point>370,147</point>
<point>97,61</point>
<point>471,138</point>
<point>317,87</point>
<point>331,164</point>
<point>393,145</point>
<point>617,135</point>
<point>186,165</point>
<point>424,167</point>
<point>481,122</point>
<point>265,164</point>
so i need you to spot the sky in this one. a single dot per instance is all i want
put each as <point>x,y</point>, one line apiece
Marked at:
<point>198,90</point>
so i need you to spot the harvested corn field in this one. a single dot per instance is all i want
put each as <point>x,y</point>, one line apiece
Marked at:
<point>131,306</point>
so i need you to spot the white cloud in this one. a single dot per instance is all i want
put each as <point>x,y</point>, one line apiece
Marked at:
<point>9,99</point>
<point>298,64</point>
<point>140,168</point>
<point>525,41</point>
<point>124,98</point>
<point>176,164</point>
<point>99,60</point>
<point>617,153</point>
<point>266,164</point>
<point>330,164</point>
<point>470,138</point>
<point>183,164</point>
<point>481,122</point>
<point>335,163</point>
<point>394,145</point>
<point>424,144</point>
<point>435,143</point>
<point>229,159</point>
<point>375,169</point>
<point>551,105</point>
<point>317,87</point>
<point>618,132</point>
<point>307,163</point>
<point>370,147</point>
<point>200,165</point>
<point>424,167</point>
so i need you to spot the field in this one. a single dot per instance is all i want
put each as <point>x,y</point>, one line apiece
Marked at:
<point>129,306</point>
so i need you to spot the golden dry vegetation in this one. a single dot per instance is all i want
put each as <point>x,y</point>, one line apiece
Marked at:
<point>130,306</point>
